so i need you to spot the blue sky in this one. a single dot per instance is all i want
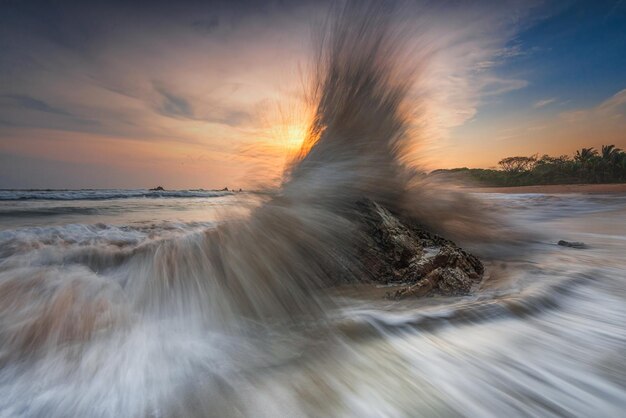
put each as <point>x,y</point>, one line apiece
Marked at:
<point>577,56</point>
<point>570,59</point>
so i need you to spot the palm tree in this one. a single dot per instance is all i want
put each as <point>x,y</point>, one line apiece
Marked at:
<point>619,167</point>
<point>585,154</point>
<point>587,159</point>
<point>610,154</point>
<point>611,160</point>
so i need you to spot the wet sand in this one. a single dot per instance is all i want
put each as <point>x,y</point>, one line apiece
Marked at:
<point>557,188</point>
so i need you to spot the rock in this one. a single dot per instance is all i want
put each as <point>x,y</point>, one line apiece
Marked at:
<point>157,189</point>
<point>398,252</point>
<point>572,244</point>
<point>421,288</point>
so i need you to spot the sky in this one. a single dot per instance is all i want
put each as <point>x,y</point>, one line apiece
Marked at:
<point>206,94</point>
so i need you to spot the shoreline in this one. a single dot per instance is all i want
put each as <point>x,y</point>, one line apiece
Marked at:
<point>609,188</point>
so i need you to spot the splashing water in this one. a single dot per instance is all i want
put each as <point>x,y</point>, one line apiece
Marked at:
<point>233,312</point>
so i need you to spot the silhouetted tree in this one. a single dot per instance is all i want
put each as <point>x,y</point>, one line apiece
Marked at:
<point>585,154</point>
<point>518,164</point>
<point>610,154</point>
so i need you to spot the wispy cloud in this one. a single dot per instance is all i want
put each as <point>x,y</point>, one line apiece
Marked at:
<point>471,45</point>
<point>542,103</point>
<point>180,106</point>
<point>28,102</point>
<point>172,104</point>
<point>495,86</point>
<point>611,109</point>
<point>616,102</point>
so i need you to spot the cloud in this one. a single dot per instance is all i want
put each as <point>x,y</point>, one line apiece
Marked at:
<point>613,108</point>
<point>178,106</point>
<point>614,103</point>
<point>466,49</point>
<point>25,111</point>
<point>496,86</point>
<point>235,118</point>
<point>31,103</point>
<point>172,105</point>
<point>198,74</point>
<point>543,103</point>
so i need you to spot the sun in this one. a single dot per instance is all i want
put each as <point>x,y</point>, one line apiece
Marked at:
<point>293,136</point>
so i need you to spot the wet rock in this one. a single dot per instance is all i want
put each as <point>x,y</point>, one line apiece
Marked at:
<point>157,189</point>
<point>419,262</point>
<point>572,244</point>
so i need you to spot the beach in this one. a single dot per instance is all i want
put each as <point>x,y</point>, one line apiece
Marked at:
<point>556,189</point>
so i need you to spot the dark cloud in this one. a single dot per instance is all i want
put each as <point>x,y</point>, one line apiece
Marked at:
<point>175,105</point>
<point>31,103</point>
<point>16,112</point>
<point>172,104</point>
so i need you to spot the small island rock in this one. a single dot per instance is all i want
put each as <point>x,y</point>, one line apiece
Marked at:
<point>572,244</point>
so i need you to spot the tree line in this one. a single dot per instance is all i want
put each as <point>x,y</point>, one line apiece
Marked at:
<point>587,165</point>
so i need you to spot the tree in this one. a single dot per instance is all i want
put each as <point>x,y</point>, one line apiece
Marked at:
<point>611,163</point>
<point>587,166</point>
<point>518,164</point>
<point>610,154</point>
<point>588,169</point>
<point>585,155</point>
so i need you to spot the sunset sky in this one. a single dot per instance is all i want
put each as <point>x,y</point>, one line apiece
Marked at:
<point>193,94</point>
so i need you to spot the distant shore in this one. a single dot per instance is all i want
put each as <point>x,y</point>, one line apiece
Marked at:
<point>613,188</point>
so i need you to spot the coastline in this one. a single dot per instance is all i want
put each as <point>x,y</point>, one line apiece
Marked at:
<point>610,188</point>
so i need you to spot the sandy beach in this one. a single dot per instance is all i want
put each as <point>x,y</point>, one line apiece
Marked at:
<point>557,189</point>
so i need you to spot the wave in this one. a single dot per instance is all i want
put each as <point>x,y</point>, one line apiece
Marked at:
<point>49,211</point>
<point>64,243</point>
<point>489,307</point>
<point>106,194</point>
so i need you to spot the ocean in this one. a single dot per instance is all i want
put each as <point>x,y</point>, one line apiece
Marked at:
<point>109,308</point>
<point>113,206</point>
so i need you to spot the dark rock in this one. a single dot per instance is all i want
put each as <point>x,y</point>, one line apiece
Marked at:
<point>421,263</point>
<point>572,244</point>
<point>157,189</point>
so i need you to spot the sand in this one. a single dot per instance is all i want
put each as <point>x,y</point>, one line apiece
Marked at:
<point>557,188</point>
